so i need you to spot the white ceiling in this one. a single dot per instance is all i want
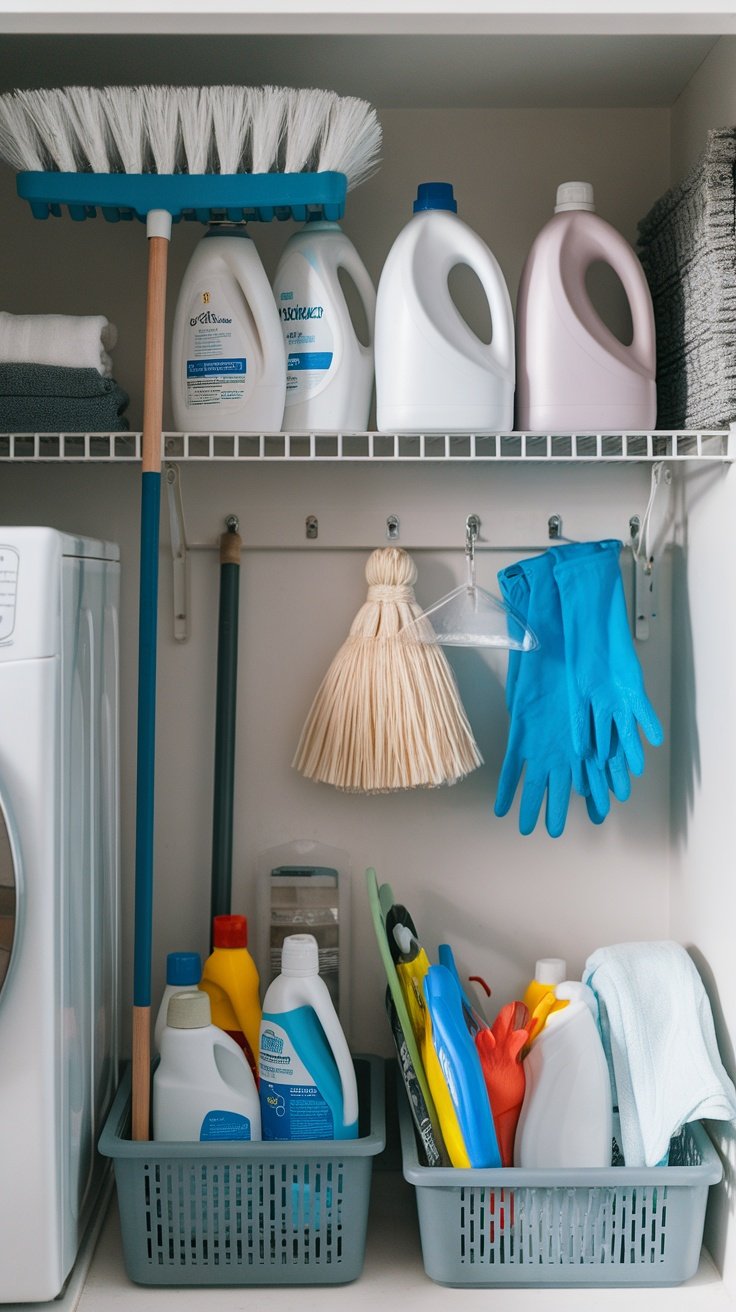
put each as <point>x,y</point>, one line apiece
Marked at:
<point>390,71</point>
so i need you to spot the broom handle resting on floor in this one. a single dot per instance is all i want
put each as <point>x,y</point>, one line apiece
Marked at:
<point>159,233</point>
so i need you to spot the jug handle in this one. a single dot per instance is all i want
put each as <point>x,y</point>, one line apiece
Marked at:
<point>351,262</point>
<point>619,256</point>
<point>327,1018</point>
<point>470,250</point>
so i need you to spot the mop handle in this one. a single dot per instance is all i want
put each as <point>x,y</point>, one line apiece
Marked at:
<point>159,233</point>
<point>227,677</point>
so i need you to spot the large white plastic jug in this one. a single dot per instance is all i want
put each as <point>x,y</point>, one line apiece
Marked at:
<point>433,373</point>
<point>227,358</point>
<point>573,373</point>
<point>329,371</point>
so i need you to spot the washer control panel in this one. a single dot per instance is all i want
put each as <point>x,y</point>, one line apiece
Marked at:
<point>9,561</point>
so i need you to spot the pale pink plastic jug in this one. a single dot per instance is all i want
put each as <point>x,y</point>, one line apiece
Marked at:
<point>573,374</point>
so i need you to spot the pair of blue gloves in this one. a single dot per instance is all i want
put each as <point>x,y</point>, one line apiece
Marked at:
<point>578,701</point>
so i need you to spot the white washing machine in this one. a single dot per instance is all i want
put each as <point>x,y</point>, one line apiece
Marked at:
<point>59,841</point>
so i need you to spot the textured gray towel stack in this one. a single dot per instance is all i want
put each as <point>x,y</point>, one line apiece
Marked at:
<point>687,245</point>
<point>49,398</point>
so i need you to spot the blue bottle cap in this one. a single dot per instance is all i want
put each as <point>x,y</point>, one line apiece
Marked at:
<point>183,968</point>
<point>435,196</point>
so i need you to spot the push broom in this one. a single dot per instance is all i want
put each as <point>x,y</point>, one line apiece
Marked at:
<point>161,154</point>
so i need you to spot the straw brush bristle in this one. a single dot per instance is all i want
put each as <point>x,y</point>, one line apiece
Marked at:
<point>221,129</point>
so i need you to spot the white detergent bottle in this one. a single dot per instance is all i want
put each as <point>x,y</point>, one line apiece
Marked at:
<point>566,1118</point>
<point>183,973</point>
<point>433,373</point>
<point>203,1087</point>
<point>227,357</point>
<point>329,370</point>
<point>307,1080</point>
<point>573,372</point>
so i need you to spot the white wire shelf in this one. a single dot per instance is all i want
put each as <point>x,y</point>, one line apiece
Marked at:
<point>406,447</point>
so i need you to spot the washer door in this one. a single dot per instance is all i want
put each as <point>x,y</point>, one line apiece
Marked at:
<point>8,900</point>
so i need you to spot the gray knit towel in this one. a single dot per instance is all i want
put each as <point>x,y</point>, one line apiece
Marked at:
<point>687,245</point>
<point>42,398</point>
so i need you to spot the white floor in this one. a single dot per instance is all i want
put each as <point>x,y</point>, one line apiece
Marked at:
<point>393,1275</point>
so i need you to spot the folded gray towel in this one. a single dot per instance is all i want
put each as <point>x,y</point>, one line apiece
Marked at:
<point>687,245</point>
<point>53,399</point>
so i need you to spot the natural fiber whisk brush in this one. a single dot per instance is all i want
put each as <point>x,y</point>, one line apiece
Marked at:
<point>388,713</point>
<point>161,154</point>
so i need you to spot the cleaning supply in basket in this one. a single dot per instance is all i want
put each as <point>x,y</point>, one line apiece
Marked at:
<point>183,973</point>
<point>433,373</point>
<point>540,996</point>
<point>203,1088</point>
<point>566,1118</point>
<point>230,978</point>
<point>461,1068</point>
<point>72,341</point>
<point>387,714</point>
<point>308,1088</point>
<point>660,1041</point>
<point>573,372</point>
<point>500,1050</point>
<point>49,398</point>
<point>228,366</point>
<point>329,369</point>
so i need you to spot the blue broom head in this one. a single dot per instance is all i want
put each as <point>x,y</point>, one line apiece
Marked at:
<point>201,153</point>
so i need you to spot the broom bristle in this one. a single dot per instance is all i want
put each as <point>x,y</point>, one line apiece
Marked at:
<point>188,129</point>
<point>387,715</point>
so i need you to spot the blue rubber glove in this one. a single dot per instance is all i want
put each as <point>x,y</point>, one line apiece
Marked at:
<point>605,685</point>
<point>540,742</point>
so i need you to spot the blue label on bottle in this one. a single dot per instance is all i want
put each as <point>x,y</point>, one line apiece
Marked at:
<point>224,1125</point>
<point>309,360</point>
<point>211,368</point>
<point>294,1111</point>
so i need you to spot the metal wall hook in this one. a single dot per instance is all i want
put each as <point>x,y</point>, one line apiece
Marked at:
<point>179,551</point>
<point>472,530</point>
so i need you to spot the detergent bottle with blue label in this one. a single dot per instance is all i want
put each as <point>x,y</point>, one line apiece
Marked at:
<point>203,1087</point>
<point>228,367</point>
<point>329,369</point>
<point>307,1080</point>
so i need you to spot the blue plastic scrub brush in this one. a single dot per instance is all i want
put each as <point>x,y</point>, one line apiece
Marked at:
<point>162,154</point>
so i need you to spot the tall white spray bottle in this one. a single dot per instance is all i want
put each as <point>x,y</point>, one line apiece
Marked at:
<point>307,1079</point>
<point>433,373</point>
<point>227,359</point>
<point>329,370</point>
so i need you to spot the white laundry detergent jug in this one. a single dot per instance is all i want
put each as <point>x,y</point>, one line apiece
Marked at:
<point>227,359</point>
<point>433,373</point>
<point>573,372</point>
<point>329,370</point>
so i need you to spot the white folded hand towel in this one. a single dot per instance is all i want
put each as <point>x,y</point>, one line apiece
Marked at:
<point>658,1033</point>
<point>76,341</point>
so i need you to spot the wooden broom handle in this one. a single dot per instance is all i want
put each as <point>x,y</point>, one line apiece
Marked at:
<point>153,388</point>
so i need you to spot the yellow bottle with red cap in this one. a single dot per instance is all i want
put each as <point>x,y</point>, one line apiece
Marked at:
<point>230,978</point>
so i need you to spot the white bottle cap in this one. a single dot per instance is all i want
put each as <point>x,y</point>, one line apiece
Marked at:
<point>551,970</point>
<point>189,1011</point>
<point>300,955</point>
<point>575,196</point>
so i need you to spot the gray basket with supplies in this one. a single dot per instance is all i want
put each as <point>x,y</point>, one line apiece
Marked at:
<point>593,1228</point>
<point>248,1214</point>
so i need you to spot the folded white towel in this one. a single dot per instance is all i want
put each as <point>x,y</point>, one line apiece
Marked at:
<point>76,341</point>
<point>658,1033</point>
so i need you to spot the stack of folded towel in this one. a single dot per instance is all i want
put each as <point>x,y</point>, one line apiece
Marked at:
<point>56,375</point>
<point>659,1038</point>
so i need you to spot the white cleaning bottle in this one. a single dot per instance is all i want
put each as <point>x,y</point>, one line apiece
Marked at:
<point>329,370</point>
<point>307,1079</point>
<point>183,973</point>
<point>227,358</point>
<point>573,372</point>
<point>433,373</point>
<point>203,1087</point>
<point>566,1118</point>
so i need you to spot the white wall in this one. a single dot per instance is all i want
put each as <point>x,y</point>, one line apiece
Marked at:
<point>704,698</point>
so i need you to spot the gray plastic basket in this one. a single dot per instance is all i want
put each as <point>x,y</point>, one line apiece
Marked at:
<point>248,1214</point>
<point>594,1228</point>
